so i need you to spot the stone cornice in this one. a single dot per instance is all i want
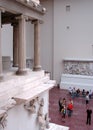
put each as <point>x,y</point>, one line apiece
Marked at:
<point>34,6</point>
<point>13,7</point>
<point>78,59</point>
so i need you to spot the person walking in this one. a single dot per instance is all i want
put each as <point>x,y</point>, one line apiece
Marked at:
<point>87,98</point>
<point>89,112</point>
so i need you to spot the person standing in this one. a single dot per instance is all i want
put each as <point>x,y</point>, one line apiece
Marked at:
<point>63,111</point>
<point>90,93</point>
<point>70,108</point>
<point>87,98</point>
<point>60,104</point>
<point>89,112</point>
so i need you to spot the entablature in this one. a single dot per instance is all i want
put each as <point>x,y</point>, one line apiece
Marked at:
<point>12,8</point>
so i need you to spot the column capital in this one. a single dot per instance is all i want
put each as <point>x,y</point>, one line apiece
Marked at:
<point>2,9</point>
<point>14,24</point>
<point>37,21</point>
<point>21,16</point>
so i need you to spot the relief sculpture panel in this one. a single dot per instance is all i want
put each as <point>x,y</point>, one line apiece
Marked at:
<point>78,67</point>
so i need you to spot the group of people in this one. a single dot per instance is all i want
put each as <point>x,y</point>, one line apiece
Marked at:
<point>65,108</point>
<point>77,92</point>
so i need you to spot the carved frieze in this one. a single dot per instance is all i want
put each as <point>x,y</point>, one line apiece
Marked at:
<point>3,121</point>
<point>78,67</point>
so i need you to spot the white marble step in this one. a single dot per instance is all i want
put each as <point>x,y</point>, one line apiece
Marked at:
<point>57,127</point>
<point>32,93</point>
<point>27,87</point>
<point>21,83</point>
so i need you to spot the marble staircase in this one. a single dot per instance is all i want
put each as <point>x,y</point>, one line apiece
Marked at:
<point>23,88</point>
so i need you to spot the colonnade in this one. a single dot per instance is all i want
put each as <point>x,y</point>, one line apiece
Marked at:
<point>19,45</point>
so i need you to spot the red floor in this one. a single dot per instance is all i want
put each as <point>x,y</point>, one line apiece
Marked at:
<point>78,119</point>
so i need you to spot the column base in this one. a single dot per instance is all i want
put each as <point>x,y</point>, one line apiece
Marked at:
<point>21,72</point>
<point>16,65</point>
<point>37,68</point>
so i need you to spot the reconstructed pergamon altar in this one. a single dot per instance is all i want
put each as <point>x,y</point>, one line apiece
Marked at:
<point>24,93</point>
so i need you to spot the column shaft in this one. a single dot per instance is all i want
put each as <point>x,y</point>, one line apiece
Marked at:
<point>37,65</point>
<point>22,47</point>
<point>15,45</point>
<point>1,76</point>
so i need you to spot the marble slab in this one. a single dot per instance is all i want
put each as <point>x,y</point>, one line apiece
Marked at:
<point>54,126</point>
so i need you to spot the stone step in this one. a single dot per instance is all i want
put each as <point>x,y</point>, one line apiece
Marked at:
<point>54,126</point>
<point>33,93</point>
<point>19,83</point>
<point>11,89</point>
<point>25,85</point>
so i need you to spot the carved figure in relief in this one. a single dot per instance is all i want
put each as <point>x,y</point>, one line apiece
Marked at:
<point>31,106</point>
<point>3,120</point>
<point>47,119</point>
<point>41,117</point>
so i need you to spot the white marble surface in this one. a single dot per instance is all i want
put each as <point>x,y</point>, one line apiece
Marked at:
<point>78,59</point>
<point>57,127</point>
<point>77,81</point>
<point>23,87</point>
<point>33,93</point>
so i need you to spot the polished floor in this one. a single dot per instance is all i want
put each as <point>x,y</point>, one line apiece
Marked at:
<point>78,119</point>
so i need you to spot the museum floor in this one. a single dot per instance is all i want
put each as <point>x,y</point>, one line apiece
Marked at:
<point>78,119</point>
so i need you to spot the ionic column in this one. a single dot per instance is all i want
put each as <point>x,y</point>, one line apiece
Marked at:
<point>21,46</point>
<point>1,75</point>
<point>37,65</point>
<point>15,44</point>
